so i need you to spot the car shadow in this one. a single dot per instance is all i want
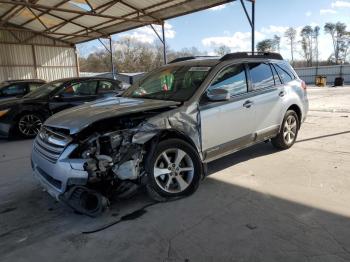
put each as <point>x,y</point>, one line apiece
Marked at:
<point>323,136</point>
<point>224,219</point>
<point>258,150</point>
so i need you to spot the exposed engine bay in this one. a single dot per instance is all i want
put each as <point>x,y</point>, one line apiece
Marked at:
<point>114,163</point>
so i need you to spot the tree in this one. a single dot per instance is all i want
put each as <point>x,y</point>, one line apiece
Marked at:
<point>131,55</point>
<point>277,43</point>
<point>222,50</point>
<point>316,36</point>
<point>306,43</point>
<point>291,34</point>
<point>339,35</point>
<point>266,45</point>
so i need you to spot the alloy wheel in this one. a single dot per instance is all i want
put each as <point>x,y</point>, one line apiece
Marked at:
<point>290,129</point>
<point>29,125</point>
<point>173,170</point>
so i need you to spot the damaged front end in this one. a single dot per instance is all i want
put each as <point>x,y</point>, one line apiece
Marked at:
<point>111,154</point>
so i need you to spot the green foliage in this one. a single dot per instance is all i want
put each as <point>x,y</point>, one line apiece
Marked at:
<point>131,55</point>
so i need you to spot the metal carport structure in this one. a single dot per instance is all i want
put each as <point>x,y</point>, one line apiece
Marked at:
<point>75,21</point>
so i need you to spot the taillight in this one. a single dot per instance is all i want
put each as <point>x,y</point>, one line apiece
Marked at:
<point>303,85</point>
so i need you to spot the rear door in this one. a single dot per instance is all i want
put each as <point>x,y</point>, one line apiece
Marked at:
<point>74,94</point>
<point>227,125</point>
<point>268,93</point>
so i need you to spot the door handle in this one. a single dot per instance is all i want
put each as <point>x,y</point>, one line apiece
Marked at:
<point>248,104</point>
<point>282,93</point>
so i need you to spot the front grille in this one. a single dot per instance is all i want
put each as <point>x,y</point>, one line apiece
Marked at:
<point>50,144</point>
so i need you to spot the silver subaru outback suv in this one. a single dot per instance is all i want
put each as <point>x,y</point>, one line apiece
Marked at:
<point>164,129</point>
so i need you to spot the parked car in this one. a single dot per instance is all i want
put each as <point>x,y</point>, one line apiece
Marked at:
<point>24,116</point>
<point>164,129</point>
<point>18,88</point>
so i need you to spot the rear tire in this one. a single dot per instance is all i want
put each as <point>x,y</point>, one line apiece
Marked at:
<point>174,170</point>
<point>29,124</point>
<point>288,131</point>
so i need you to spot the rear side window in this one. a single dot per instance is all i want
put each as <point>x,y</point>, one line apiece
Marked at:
<point>85,88</point>
<point>285,72</point>
<point>105,87</point>
<point>261,75</point>
<point>15,89</point>
<point>233,79</point>
<point>34,86</point>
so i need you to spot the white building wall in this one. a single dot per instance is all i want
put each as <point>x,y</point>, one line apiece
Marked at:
<point>24,56</point>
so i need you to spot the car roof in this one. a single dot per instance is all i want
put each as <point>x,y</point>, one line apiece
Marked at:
<point>198,61</point>
<point>71,79</point>
<point>25,81</point>
<point>238,56</point>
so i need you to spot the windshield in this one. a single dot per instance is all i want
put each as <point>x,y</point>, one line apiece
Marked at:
<point>176,83</point>
<point>3,84</point>
<point>44,90</point>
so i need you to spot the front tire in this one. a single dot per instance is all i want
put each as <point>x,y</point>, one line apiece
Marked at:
<point>29,124</point>
<point>174,170</point>
<point>288,131</point>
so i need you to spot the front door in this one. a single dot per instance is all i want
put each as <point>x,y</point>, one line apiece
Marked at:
<point>227,125</point>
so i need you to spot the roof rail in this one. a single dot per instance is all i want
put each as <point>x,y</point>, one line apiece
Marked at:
<point>185,58</point>
<point>237,55</point>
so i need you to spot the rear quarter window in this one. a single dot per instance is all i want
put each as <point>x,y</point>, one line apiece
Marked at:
<point>285,72</point>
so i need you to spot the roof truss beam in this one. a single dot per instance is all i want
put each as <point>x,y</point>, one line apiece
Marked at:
<point>43,13</point>
<point>52,8</point>
<point>145,10</point>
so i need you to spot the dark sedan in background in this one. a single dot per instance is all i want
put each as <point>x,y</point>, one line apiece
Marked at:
<point>24,116</point>
<point>18,88</point>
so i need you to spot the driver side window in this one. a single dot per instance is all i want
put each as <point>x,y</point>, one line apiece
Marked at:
<point>233,79</point>
<point>80,89</point>
<point>15,89</point>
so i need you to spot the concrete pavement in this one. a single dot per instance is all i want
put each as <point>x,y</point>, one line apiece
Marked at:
<point>256,205</point>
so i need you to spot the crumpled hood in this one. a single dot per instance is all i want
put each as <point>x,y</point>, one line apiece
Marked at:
<point>80,117</point>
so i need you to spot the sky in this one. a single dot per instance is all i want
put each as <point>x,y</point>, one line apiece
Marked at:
<point>227,25</point>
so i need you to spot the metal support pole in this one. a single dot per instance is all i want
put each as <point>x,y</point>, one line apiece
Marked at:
<point>251,20</point>
<point>111,50</point>
<point>164,45</point>
<point>253,26</point>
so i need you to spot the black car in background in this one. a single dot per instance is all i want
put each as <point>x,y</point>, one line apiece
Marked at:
<point>18,88</point>
<point>24,116</point>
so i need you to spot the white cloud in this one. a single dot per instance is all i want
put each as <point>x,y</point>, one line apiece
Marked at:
<point>218,7</point>
<point>327,11</point>
<point>147,35</point>
<point>239,41</point>
<point>272,29</point>
<point>308,13</point>
<point>340,4</point>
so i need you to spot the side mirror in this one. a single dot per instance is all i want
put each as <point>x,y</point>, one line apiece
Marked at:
<point>216,95</point>
<point>57,97</point>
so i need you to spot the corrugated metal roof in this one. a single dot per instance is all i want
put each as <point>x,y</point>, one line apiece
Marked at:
<point>76,21</point>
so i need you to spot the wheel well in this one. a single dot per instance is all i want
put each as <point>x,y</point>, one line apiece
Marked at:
<point>167,134</point>
<point>297,110</point>
<point>18,116</point>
